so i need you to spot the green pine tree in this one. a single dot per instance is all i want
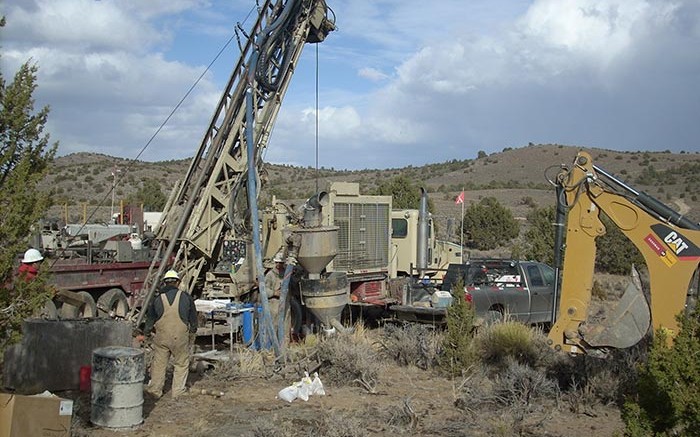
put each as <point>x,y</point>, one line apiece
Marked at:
<point>25,154</point>
<point>405,194</point>
<point>488,224</point>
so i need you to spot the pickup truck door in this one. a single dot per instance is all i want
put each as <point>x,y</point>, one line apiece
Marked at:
<point>540,280</point>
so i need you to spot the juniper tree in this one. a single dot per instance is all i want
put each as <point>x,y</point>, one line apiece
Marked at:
<point>25,154</point>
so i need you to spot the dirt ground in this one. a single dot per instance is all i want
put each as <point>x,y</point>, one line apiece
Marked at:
<point>408,401</point>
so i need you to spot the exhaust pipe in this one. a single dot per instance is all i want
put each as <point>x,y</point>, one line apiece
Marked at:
<point>422,249</point>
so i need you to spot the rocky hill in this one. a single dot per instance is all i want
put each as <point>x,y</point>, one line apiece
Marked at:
<point>82,182</point>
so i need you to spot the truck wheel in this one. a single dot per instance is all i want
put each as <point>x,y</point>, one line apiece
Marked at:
<point>113,304</point>
<point>47,312</point>
<point>87,310</point>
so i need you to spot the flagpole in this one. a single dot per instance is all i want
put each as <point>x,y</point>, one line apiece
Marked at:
<point>461,228</point>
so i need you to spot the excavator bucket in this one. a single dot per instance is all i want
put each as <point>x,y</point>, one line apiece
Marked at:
<point>626,324</point>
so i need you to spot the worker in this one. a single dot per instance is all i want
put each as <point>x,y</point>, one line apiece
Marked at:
<point>29,268</point>
<point>173,315</point>
<point>273,283</point>
<point>273,287</point>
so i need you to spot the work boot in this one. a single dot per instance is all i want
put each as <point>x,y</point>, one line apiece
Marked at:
<point>176,394</point>
<point>153,395</point>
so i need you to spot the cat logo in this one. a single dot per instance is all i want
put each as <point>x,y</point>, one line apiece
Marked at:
<point>678,244</point>
<point>675,242</point>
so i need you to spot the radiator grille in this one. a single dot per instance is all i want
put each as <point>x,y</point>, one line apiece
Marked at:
<point>363,237</point>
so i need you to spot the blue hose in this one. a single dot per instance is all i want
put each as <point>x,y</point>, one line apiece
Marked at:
<point>267,324</point>
<point>281,326</point>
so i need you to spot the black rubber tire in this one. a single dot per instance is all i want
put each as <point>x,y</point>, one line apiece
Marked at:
<point>113,304</point>
<point>87,310</point>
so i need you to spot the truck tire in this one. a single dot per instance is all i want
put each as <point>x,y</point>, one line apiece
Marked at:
<point>113,304</point>
<point>87,310</point>
<point>47,312</point>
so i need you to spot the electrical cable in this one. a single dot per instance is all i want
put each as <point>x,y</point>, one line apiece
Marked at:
<point>317,175</point>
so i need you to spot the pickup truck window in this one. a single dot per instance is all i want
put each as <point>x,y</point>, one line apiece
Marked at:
<point>548,274</point>
<point>535,276</point>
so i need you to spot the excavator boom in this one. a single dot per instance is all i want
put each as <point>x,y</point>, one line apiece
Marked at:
<point>668,242</point>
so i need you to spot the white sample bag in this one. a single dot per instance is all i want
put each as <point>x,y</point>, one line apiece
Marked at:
<point>289,393</point>
<point>302,389</point>
<point>317,386</point>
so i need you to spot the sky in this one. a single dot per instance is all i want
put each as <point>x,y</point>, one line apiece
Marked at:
<point>400,82</point>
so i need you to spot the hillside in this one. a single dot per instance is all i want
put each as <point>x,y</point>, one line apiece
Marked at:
<point>82,181</point>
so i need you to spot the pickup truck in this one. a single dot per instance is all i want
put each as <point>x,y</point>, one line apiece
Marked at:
<point>519,290</point>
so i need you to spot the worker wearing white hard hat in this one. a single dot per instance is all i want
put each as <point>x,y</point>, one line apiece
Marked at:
<point>174,317</point>
<point>29,268</point>
<point>274,276</point>
<point>273,285</point>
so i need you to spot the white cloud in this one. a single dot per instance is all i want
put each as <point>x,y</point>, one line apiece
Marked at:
<point>108,89</point>
<point>402,82</point>
<point>80,25</point>
<point>372,74</point>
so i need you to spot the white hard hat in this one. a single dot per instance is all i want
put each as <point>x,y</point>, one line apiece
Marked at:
<point>279,258</point>
<point>171,274</point>
<point>32,256</point>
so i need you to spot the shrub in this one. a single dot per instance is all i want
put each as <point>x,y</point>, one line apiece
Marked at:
<point>18,303</point>
<point>539,238</point>
<point>669,384</point>
<point>458,354</point>
<point>499,344</point>
<point>412,344</point>
<point>489,225</point>
<point>597,291</point>
<point>349,359</point>
<point>617,254</point>
<point>520,384</point>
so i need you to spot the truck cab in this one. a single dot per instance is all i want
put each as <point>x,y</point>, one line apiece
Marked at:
<point>404,239</point>
<point>497,288</point>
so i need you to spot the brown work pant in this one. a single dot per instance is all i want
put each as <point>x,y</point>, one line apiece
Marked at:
<point>178,347</point>
<point>274,306</point>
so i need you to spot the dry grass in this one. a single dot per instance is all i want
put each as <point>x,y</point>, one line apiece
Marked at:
<point>519,385</point>
<point>500,343</point>
<point>475,391</point>
<point>349,359</point>
<point>412,344</point>
<point>244,363</point>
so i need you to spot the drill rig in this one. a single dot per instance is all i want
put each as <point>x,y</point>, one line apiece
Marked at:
<point>210,228</point>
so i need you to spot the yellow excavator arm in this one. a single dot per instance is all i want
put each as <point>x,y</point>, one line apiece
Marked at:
<point>668,242</point>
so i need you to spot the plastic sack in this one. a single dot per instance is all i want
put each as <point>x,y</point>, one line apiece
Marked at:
<point>303,391</point>
<point>289,393</point>
<point>304,387</point>
<point>317,386</point>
